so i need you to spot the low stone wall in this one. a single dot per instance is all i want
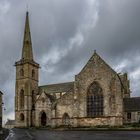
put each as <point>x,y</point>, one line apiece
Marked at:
<point>111,121</point>
<point>135,117</point>
<point>56,122</point>
<point>90,122</point>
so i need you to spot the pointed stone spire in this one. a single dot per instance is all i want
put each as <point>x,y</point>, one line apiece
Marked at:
<point>27,53</point>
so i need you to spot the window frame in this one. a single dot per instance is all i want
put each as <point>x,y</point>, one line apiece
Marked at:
<point>21,99</point>
<point>129,116</point>
<point>33,73</point>
<point>95,101</point>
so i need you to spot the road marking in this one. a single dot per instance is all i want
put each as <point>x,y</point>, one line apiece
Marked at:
<point>29,135</point>
<point>11,134</point>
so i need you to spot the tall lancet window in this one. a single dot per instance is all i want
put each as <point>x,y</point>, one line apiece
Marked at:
<point>33,96</point>
<point>95,100</point>
<point>22,99</point>
<point>33,73</point>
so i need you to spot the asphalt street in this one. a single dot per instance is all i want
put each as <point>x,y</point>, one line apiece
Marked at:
<point>29,134</point>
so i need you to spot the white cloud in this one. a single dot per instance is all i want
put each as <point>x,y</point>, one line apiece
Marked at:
<point>121,65</point>
<point>135,74</point>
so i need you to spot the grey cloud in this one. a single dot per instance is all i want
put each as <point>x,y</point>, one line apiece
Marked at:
<point>64,35</point>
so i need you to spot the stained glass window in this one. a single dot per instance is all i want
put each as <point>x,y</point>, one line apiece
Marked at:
<point>95,100</point>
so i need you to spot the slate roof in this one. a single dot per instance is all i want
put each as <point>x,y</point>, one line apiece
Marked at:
<point>131,104</point>
<point>10,122</point>
<point>52,98</point>
<point>57,88</point>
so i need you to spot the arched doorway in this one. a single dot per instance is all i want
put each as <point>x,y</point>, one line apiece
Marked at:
<point>66,119</point>
<point>43,119</point>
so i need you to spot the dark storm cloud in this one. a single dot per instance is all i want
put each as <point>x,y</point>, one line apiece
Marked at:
<point>64,35</point>
<point>116,36</point>
<point>118,28</point>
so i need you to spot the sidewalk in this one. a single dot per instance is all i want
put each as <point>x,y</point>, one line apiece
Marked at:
<point>3,134</point>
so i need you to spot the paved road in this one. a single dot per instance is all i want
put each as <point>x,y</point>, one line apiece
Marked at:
<point>25,134</point>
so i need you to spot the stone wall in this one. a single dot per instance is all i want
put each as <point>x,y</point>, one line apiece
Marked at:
<point>104,121</point>
<point>97,70</point>
<point>126,85</point>
<point>135,117</point>
<point>66,104</point>
<point>28,83</point>
<point>43,104</point>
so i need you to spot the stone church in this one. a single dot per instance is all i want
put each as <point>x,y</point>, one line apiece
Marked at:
<point>97,96</point>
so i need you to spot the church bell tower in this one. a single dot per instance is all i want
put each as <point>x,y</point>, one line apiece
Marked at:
<point>26,82</point>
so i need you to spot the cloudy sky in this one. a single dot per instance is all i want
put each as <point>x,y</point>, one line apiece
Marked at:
<point>64,35</point>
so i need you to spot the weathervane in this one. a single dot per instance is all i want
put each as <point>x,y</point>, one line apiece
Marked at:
<point>27,5</point>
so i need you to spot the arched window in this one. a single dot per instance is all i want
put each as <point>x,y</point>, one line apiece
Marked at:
<point>95,100</point>
<point>22,117</point>
<point>66,119</point>
<point>21,99</point>
<point>33,96</point>
<point>33,73</point>
<point>21,72</point>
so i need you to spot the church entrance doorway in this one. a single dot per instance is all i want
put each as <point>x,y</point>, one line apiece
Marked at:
<point>43,119</point>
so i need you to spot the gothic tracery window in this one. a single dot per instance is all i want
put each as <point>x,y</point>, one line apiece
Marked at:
<point>22,99</point>
<point>95,100</point>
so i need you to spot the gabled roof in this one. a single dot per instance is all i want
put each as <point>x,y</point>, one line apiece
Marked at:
<point>96,55</point>
<point>93,58</point>
<point>58,88</point>
<point>131,104</point>
<point>51,97</point>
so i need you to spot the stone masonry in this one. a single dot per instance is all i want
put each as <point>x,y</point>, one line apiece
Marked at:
<point>96,97</point>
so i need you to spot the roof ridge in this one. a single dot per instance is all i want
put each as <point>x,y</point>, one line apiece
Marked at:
<point>133,98</point>
<point>56,84</point>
